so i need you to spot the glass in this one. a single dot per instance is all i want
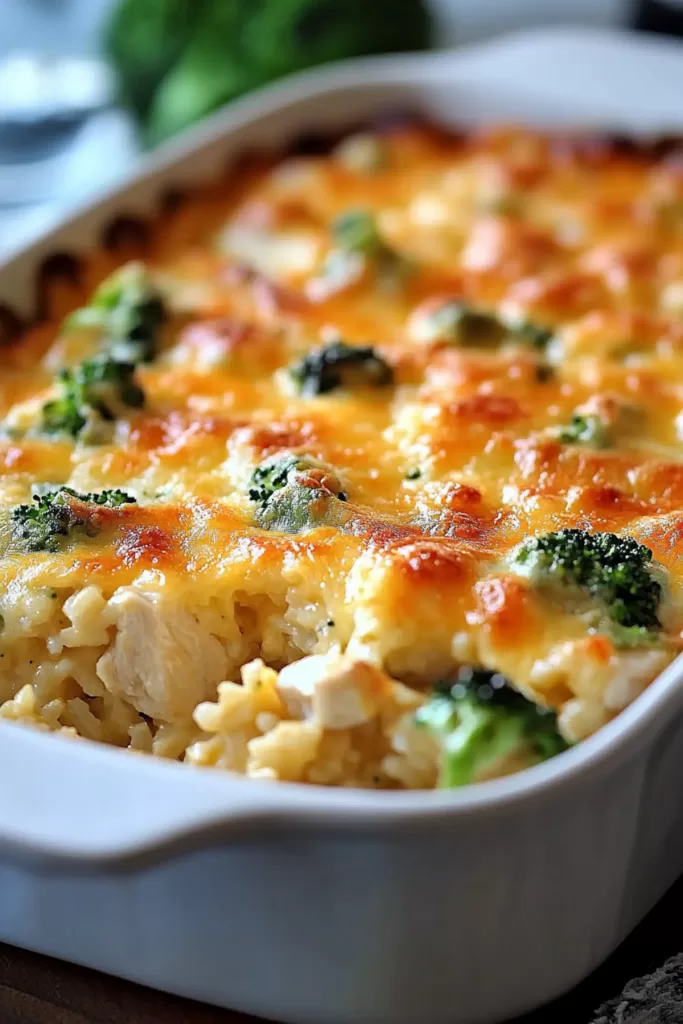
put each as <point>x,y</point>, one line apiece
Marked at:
<point>60,136</point>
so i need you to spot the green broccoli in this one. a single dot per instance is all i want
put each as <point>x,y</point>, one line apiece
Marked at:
<point>280,470</point>
<point>297,508</point>
<point>338,365</point>
<point>457,322</point>
<point>602,422</point>
<point>293,492</point>
<point>177,60</point>
<point>59,514</point>
<point>144,41</point>
<point>485,727</point>
<point>357,231</point>
<point>529,333</point>
<point>587,429</point>
<point>355,235</point>
<point>544,373</point>
<point>130,312</point>
<point>617,573</point>
<point>98,390</point>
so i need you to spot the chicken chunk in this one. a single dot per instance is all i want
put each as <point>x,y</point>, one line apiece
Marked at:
<point>162,661</point>
<point>333,690</point>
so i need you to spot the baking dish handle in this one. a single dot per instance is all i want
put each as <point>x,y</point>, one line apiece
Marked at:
<point>79,801</point>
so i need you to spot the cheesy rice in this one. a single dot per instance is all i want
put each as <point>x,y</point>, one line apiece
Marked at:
<point>420,325</point>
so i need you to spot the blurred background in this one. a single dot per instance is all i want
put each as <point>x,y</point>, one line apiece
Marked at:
<point>87,85</point>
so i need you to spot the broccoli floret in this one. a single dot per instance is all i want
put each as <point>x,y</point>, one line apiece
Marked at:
<point>56,514</point>
<point>587,429</point>
<point>530,333</point>
<point>338,365</point>
<point>601,422</point>
<point>544,373</point>
<point>457,322</point>
<point>616,572</point>
<point>270,476</point>
<point>471,326</point>
<point>633,636</point>
<point>297,508</point>
<point>485,727</point>
<point>357,246</point>
<point>100,389</point>
<point>355,234</point>
<point>280,470</point>
<point>111,498</point>
<point>293,492</point>
<point>130,311</point>
<point>178,60</point>
<point>357,231</point>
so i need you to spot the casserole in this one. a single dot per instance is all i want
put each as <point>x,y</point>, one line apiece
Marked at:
<point>414,877</point>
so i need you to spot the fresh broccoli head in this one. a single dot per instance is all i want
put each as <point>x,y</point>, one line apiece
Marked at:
<point>338,365</point>
<point>177,60</point>
<point>59,514</point>
<point>615,572</point>
<point>586,429</point>
<point>280,470</point>
<point>100,389</point>
<point>144,40</point>
<point>486,728</point>
<point>130,312</point>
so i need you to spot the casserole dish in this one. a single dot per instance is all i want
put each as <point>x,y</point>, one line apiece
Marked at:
<point>310,905</point>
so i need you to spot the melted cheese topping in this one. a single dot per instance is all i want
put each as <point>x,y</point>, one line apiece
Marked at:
<point>444,472</point>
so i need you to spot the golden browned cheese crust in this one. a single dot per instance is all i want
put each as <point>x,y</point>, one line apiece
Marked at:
<point>444,471</point>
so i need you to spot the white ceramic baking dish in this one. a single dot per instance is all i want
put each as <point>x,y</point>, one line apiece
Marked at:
<point>343,907</point>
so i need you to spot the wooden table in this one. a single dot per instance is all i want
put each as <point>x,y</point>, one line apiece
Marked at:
<point>37,990</point>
